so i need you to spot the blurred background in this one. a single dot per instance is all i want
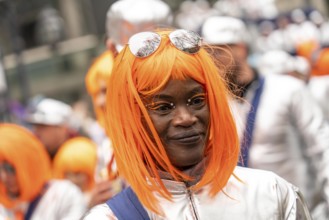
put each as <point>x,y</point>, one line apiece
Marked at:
<point>46,46</point>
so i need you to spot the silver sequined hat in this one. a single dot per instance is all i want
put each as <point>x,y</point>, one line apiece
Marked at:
<point>127,17</point>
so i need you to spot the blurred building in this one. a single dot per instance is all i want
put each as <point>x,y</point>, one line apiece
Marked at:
<point>285,6</point>
<point>48,45</point>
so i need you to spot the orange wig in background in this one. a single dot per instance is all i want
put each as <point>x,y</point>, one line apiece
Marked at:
<point>139,154</point>
<point>306,48</point>
<point>317,56</point>
<point>98,73</point>
<point>24,151</point>
<point>320,63</point>
<point>78,154</point>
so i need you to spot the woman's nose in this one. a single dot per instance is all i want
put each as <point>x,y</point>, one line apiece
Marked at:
<point>184,116</point>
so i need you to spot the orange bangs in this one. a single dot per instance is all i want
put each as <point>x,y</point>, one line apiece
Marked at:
<point>25,152</point>
<point>137,155</point>
<point>78,154</point>
<point>98,73</point>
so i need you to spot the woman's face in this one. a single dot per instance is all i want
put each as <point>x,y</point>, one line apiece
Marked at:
<point>78,178</point>
<point>9,179</point>
<point>100,98</point>
<point>181,118</point>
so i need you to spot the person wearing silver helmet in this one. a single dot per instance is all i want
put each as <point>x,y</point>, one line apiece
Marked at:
<point>277,113</point>
<point>127,17</point>
<point>52,121</point>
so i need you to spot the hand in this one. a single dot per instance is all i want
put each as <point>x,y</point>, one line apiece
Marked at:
<point>101,193</point>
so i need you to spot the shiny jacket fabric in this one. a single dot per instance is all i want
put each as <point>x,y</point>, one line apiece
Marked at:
<point>319,87</point>
<point>61,201</point>
<point>258,195</point>
<point>291,136</point>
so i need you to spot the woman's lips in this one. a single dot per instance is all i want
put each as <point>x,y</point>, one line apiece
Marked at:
<point>187,138</point>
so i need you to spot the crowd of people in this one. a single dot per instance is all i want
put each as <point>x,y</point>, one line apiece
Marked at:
<point>205,114</point>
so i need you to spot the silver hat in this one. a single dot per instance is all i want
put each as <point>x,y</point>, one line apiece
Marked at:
<point>50,112</point>
<point>127,17</point>
<point>219,30</point>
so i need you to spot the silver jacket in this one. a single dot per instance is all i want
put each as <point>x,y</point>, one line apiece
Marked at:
<point>62,200</point>
<point>258,195</point>
<point>291,136</point>
<point>319,87</point>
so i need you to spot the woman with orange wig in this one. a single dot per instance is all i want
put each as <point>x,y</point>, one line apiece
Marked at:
<point>96,79</point>
<point>175,140</point>
<point>319,82</point>
<point>76,160</point>
<point>106,171</point>
<point>26,188</point>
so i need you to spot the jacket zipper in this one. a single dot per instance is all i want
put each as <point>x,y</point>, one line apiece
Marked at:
<point>192,204</point>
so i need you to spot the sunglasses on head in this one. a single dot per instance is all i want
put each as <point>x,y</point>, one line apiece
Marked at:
<point>144,44</point>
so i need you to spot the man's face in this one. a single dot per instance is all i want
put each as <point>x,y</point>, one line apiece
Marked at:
<point>111,47</point>
<point>52,136</point>
<point>233,58</point>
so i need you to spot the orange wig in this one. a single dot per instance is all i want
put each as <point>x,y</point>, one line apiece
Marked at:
<point>78,154</point>
<point>97,74</point>
<point>139,154</point>
<point>321,63</point>
<point>24,151</point>
<point>306,48</point>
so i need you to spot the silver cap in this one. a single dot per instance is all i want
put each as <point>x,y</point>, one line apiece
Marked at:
<point>127,17</point>
<point>219,30</point>
<point>50,112</point>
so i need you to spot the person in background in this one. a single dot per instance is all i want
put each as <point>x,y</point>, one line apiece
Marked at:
<point>317,53</point>
<point>282,130</point>
<point>175,139</point>
<point>319,81</point>
<point>303,30</point>
<point>301,69</point>
<point>50,120</point>
<point>76,161</point>
<point>277,62</point>
<point>124,18</point>
<point>127,17</point>
<point>322,23</point>
<point>95,81</point>
<point>282,63</point>
<point>27,190</point>
<point>283,37</point>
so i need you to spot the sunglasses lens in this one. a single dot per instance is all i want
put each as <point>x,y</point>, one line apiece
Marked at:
<point>187,41</point>
<point>144,44</point>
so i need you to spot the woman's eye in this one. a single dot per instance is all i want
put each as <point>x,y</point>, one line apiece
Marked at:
<point>162,107</point>
<point>197,101</point>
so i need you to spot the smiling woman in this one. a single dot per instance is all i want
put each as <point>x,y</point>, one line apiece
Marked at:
<point>180,116</point>
<point>175,139</point>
